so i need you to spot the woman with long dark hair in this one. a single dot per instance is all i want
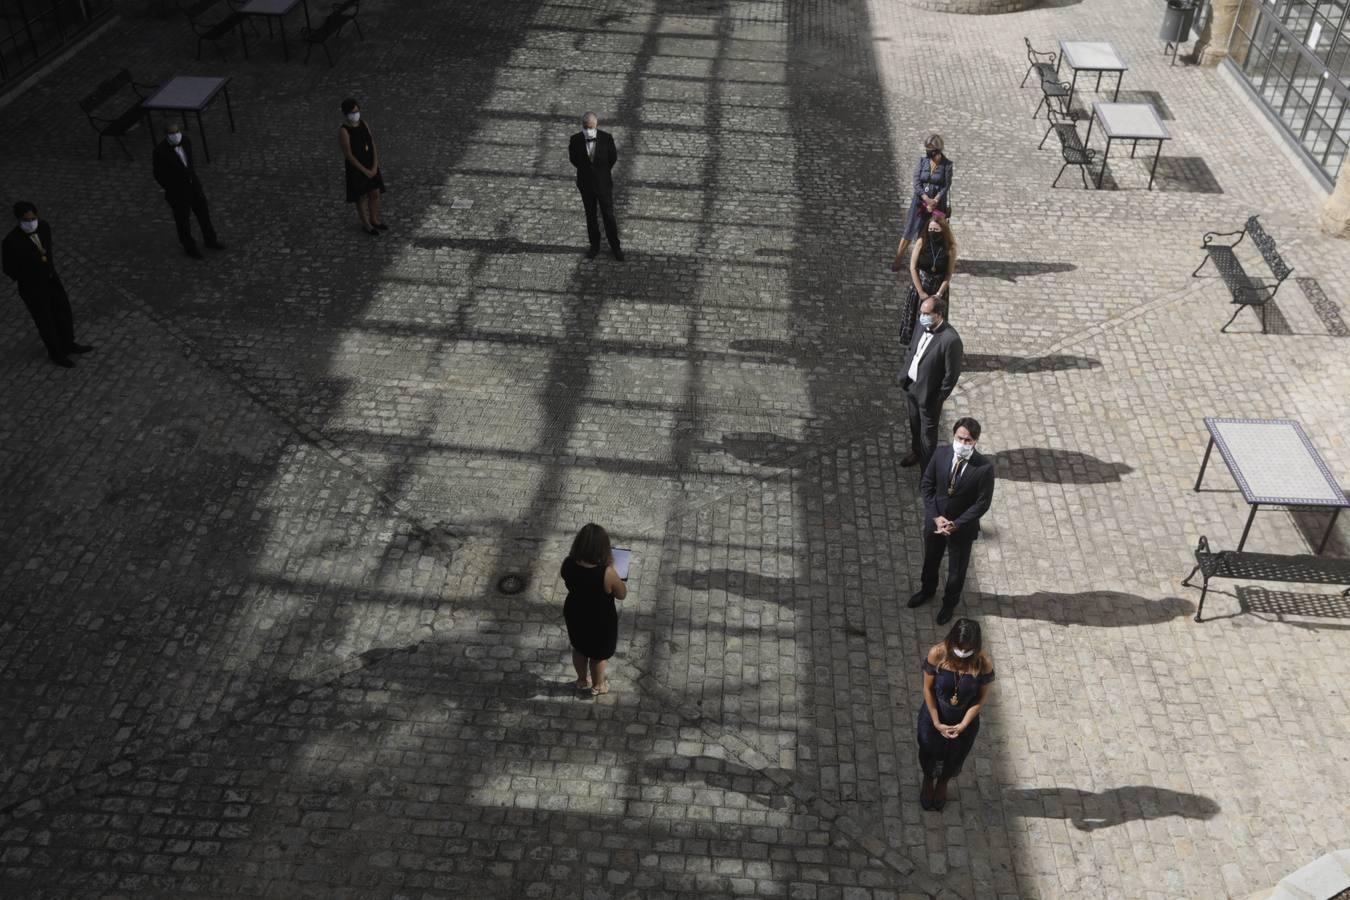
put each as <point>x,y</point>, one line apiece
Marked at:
<point>592,619</point>
<point>957,675</point>
<point>932,266</point>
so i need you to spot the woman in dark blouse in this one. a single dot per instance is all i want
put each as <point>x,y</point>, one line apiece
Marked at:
<point>957,675</point>
<point>931,267</point>
<point>592,619</point>
<point>932,191</point>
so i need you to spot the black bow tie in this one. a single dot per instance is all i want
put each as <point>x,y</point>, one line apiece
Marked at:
<point>590,140</point>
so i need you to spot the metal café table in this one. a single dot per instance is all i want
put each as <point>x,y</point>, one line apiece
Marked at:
<point>1274,464</point>
<point>1091,56</point>
<point>1128,122</point>
<point>189,93</point>
<point>279,10</point>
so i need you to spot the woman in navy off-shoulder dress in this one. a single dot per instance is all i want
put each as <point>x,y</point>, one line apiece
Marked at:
<point>957,676</point>
<point>932,191</point>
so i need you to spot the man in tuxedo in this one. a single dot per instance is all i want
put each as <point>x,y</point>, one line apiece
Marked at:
<point>593,153</point>
<point>932,367</point>
<point>175,172</point>
<point>957,487</point>
<point>26,254</point>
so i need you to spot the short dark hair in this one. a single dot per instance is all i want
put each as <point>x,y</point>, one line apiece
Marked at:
<point>23,207</point>
<point>968,424</point>
<point>939,304</point>
<point>348,105</point>
<point>591,545</point>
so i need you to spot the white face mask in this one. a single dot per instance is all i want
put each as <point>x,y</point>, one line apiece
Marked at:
<point>962,654</point>
<point>963,451</point>
<point>590,132</point>
<point>175,138</point>
<point>28,226</point>
<point>354,117</point>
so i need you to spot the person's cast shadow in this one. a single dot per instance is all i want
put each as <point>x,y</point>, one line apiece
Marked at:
<point>1091,810</point>
<point>1091,608</point>
<point>1055,466</point>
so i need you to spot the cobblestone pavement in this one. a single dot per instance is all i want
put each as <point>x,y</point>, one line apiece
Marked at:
<point>252,644</point>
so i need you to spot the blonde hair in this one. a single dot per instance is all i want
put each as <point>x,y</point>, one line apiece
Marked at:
<point>933,142</point>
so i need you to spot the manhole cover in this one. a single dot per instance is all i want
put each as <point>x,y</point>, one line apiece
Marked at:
<point>511,584</point>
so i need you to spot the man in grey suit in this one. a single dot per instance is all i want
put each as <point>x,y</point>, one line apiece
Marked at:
<point>930,373</point>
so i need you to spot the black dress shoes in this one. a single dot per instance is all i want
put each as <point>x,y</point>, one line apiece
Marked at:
<point>193,252</point>
<point>61,360</point>
<point>79,348</point>
<point>919,599</point>
<point>618,255</point>
<point>215,245</point>
<point>909,460</point>
<point>593,253</point>
<point>943,617</point>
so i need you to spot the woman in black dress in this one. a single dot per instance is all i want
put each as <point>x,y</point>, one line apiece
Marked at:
<point>365,182</point>
<point>592,619</point>
<point>931,267</point>
<point>956,679</point>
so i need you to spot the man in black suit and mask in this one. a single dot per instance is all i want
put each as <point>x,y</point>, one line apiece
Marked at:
<point>26,254</point>
<point>957,487</point>
<point>176,173</point>
<point>593,153</point>
<point>932,368</point>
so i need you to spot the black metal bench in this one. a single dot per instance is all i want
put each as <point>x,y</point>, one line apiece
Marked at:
<point>127,117</point>
<point>1305,569</point>
<point>1245,290</point>
<point>343,13</point>
<point>1041,62</point>
<point>1065,128</point>
<point>1053,92</point>
<point>214,27</point>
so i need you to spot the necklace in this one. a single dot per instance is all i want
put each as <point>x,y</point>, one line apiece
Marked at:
<point>956,687</point>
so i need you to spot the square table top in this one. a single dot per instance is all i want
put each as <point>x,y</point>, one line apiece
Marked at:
<point>192,92</point>
<point>1091,56</point>
<point>1131,120</point>
<point>1273,462</point>
<point>269,7</point>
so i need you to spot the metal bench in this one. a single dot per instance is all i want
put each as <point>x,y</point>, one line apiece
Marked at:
<point>1042,62</point>
<point>1245,290</point>
<point>343,13</point>
<point>1065,128</point>
<point>214,28</point>
<point>127,117</point>
<point>1053,92</point>
<point>1305,569</point>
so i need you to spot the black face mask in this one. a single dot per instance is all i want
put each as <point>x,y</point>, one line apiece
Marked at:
<point>934,154</point>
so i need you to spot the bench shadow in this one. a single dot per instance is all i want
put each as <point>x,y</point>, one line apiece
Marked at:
<point>1056,466</point>
<point>1091,810</point>
<point>1277,606</point>
<point>1324,306</point>
<point>1091,608</point>
<point>506,245</point>
<point>1001,362</point>
<point>1010,270</point>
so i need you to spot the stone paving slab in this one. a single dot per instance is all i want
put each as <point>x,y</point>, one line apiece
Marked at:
<point>254,539</point>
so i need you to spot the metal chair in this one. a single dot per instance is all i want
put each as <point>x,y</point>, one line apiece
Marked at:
<point>1041,61</point>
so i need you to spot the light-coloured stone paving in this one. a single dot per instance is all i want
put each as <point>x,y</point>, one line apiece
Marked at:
<point>251,643</point>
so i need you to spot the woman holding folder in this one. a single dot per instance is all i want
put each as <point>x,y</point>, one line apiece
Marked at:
<point>593,584</point>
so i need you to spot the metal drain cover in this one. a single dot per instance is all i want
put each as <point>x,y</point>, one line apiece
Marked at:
<point>511,584</point>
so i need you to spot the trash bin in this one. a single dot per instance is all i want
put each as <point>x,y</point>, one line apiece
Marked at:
<point>1177,19</point>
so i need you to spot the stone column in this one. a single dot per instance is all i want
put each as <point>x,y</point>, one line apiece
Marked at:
<point>1336,211</point>
<point>1212,46</point>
